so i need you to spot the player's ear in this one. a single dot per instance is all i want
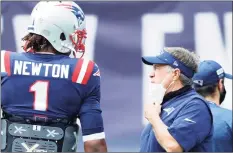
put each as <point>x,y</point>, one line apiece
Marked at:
<point>220,85</point>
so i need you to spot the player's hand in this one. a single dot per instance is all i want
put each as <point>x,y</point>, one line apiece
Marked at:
<point>152,110</point>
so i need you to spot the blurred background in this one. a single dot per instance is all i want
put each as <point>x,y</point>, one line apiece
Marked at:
<point>119,33</point>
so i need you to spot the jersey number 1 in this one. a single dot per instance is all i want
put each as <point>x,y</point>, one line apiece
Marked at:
<point>40,90</point>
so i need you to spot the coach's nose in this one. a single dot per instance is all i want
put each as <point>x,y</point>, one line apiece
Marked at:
<point>152,74</point>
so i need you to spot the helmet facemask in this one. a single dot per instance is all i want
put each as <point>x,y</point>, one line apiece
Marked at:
<point>78,39</point>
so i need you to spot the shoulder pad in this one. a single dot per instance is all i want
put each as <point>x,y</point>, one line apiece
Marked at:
<point>5,62</point>
<point>82,71</point>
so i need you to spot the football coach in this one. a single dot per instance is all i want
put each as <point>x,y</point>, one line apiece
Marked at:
<point>179,118</point>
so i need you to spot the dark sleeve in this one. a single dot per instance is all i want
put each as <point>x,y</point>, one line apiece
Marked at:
<point>90,113</point>
<point>192,125</point>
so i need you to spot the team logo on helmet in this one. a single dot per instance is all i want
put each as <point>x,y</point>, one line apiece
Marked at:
<point>77,12</point>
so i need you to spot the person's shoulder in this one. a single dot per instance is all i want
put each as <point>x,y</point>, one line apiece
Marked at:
<point>85,71</point>
<point>196,101</point>
<point>82,61</point>
<point>6,61</point>
<point>221,114</point>
<point>194,98</point>
<point>219,109</point>
<point>225,113</point>
<point>8,52</point>
<point>8,55</point>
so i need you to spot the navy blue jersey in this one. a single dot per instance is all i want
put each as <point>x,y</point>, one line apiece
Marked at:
<point>55,86</point>
<point>189,121</point>
<point>222,136</point>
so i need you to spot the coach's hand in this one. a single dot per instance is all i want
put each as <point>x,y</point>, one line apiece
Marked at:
<point>152,111</point>
<point>163,136</point>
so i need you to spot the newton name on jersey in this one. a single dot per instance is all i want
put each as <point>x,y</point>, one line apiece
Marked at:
<point>41,69</point>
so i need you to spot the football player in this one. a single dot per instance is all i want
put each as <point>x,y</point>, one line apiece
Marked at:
<point>44,90</point>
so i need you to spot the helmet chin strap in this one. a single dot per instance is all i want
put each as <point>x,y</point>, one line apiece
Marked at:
<point>74,54</point>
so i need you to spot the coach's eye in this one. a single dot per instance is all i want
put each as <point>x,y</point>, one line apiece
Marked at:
<point>155,67</point>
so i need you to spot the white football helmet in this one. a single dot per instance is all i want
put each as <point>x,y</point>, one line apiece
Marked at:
<point>62,23</point>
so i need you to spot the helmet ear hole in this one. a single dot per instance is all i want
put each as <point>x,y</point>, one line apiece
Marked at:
<point>62,36</point>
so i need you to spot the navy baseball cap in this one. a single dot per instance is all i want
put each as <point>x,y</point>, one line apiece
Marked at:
<point>209,72</point>
<point>168,59</point>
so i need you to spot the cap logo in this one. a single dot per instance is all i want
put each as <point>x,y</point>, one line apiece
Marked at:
<point>220,71</point>
<point>175,63</point>
<point>200,82</point>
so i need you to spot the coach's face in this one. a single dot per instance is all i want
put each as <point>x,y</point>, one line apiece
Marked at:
<point>161,73</point>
